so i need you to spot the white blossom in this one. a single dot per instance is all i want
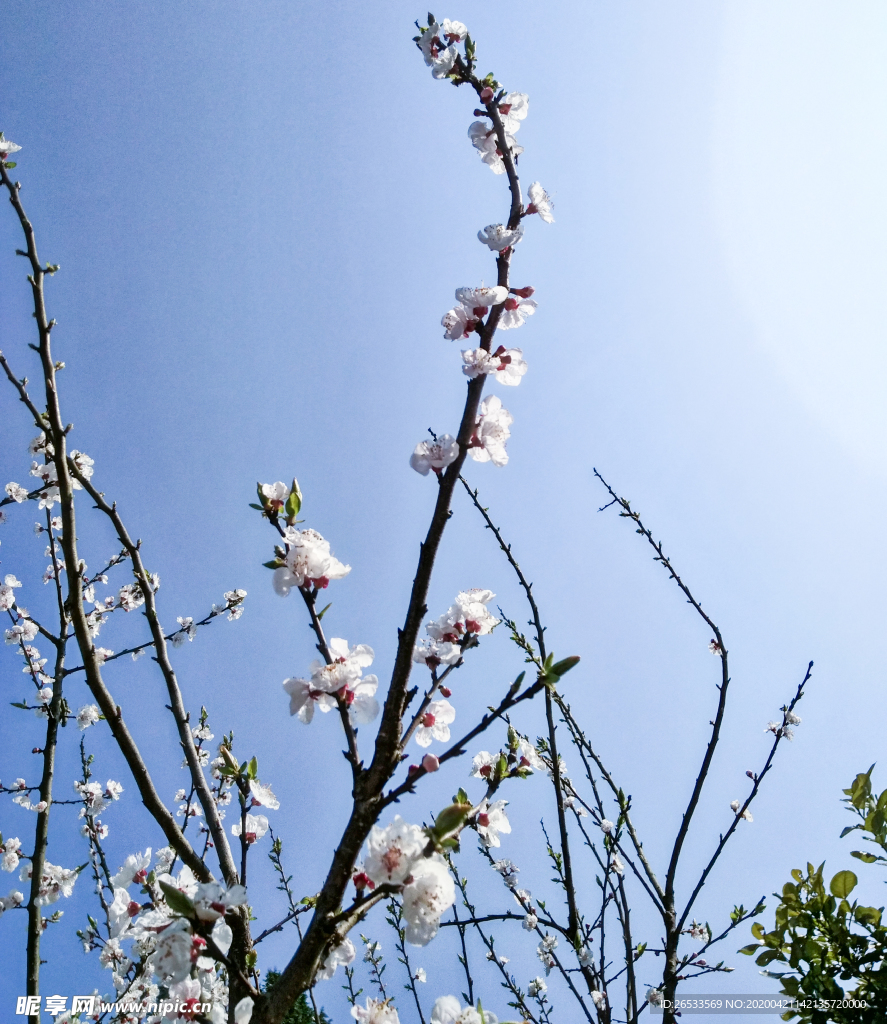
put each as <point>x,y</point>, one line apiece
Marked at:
<point>516,311</point>
<point>375,1012</point>
<point>484,140</point>
<point>392,851</point>
<point>344,954</point>
<point>7,592</point>
<point>540,202</point>
<point>10,849</point>
<point>491,820</point>
<point>436,454</point>
<point>88,715</point>
<point>274,495</point>
<point>134,870</point>
<point>498,237</point>
<point>507,365</point>
<point>7,148</point>
<point>468,614</point>
<point>16,492</point>
<point>308,562</point>
<point>606,826</point>
<point>458,323</point>
<point>435,723</point>
<point>491,432</point>
<point>427,895</point>
<point>420,975</point>
<point>434,653</point>
<point>537,987</point>
<point>256,827</point>
<point>513,108</point>
<point>528,756</point>
<point>263,796</point>
<point>479,300</point>
<point>483,765</point>
<point>54,882</point>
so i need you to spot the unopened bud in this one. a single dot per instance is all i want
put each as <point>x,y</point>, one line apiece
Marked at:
<point>486,94</point>
<point>524,293</point>
<point>430,763</point>
<point>446,691</point>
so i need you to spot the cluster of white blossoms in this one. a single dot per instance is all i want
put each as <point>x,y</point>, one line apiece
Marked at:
<point>54,882</point>
<point>513,108</point>
<point>341,679</point>
<point>168,949</point>
<point>7,594</point>
<point>10,850</point>
<point>395,856</point>
<point>307,562</point>
<point>785,729</point>
<point>439,43</point>
<point>467,614</point>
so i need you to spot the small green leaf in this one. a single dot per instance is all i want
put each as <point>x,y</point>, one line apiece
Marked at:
<point>252,504</point>
<point>177,900</point>
<point>843,884</point>
<point>866,858</point>
<point>252,770</point>
<point>321,614</point>
<point>10,164</point>
<point>768,956</point>
<point>750,949</point>
<point>16,704</point>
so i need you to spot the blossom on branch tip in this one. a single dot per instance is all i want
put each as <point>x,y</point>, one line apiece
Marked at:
<point>448,1009</point>
<point>16,492</point>
<point>435,723</point>
<point>491,432</point>
<point>308,562</point>
<point>434,455</point>
<point>498,237</point>
<point>275,495</point>
<point>537,987</point>
<point>516,311</point>
<point>540,202</point>
<point>484,140</point>
<point>7,148</point>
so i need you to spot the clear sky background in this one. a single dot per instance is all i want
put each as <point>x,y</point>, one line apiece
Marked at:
<point>261,212</point>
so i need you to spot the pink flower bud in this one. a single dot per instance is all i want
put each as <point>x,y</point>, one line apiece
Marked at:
<point>430,763</point>
<point>445,691</point>
<point>132,908</point>
<point>486,94</point>
<point>524,293</point>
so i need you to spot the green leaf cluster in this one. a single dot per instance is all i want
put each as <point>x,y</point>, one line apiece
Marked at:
<point>833,949</point>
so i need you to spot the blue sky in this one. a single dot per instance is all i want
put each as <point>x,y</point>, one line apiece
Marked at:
<point>261,212</point>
